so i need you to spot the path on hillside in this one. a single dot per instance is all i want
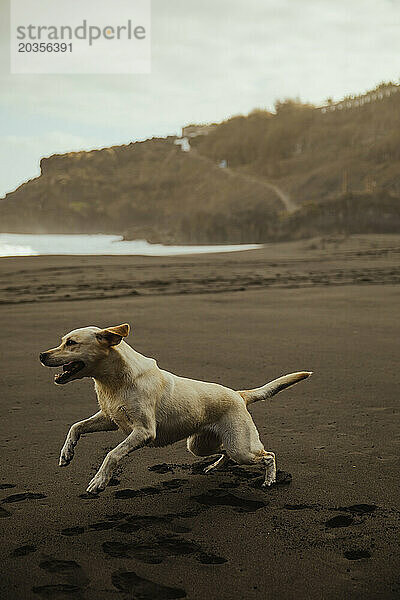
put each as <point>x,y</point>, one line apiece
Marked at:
<point>283,196</point>
<point>287,202</point>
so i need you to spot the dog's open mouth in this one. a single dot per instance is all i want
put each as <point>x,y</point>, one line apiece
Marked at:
<point>69,369</point>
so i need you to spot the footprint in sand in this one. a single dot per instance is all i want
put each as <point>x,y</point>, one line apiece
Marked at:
<point>220,498</point>
<point>357,554</point>
<point>128,523</point>
<point>161,468</point>
<point>153,549</point>
<point>146,491</point>
<point>69,570</point>
<point>170,484</point>
<point>7,486</point>
<point>211,559</point>
<point>140,523</point>
<point>86,496</point>
<point>129,582</point>
<point>359,509</point>
<point>348,519</point>
<point>339,521</point>
<point>24,550</point>
<point>69,531</point>
<point>21,497</point>
<point>173,484</point>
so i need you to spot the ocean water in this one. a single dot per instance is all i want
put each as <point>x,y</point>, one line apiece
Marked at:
<point>15,244</point>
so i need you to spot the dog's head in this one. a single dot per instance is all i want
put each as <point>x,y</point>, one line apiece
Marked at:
<point>81,351</point>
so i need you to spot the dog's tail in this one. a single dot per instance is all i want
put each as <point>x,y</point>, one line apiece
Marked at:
<point>273,387</point>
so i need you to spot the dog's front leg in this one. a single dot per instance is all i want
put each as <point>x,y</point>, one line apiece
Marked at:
<point>98,422</point>
<point>137,439</point>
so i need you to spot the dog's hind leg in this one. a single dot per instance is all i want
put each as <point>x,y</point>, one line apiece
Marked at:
<point>98,422</point>
<point>206,443</point>
<point>242,443</point>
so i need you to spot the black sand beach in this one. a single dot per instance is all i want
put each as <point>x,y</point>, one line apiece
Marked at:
<point>164,529</point>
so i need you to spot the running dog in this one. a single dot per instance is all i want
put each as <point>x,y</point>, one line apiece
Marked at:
<point>156,408</point>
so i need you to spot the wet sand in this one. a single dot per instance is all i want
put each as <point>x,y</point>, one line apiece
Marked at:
<point>164,529</point>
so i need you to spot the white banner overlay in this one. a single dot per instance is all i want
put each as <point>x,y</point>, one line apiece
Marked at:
<point>80,36</point>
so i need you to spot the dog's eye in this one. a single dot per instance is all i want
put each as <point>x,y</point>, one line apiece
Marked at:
<point>70,343</point>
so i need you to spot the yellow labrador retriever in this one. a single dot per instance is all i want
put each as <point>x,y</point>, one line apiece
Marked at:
<point>156,408</point>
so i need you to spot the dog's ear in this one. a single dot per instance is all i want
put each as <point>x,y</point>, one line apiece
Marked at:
<point>113,335</point>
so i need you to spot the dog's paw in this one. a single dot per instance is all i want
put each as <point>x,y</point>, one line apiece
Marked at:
<point>67,454</point>
<point>97,484</point>
<point>208,469</point>
<point>268,483</point>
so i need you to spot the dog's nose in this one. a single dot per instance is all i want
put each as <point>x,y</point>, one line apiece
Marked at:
<point>42,356</point>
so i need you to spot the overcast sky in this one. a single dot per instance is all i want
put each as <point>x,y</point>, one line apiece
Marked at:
<point>211,59</point>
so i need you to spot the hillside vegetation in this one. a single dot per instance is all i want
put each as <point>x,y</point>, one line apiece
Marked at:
<point>146,190</point>
<point>311,154</point>
<point>341,169</point>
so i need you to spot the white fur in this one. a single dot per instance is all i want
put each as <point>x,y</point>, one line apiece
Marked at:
<point>154,407</point>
